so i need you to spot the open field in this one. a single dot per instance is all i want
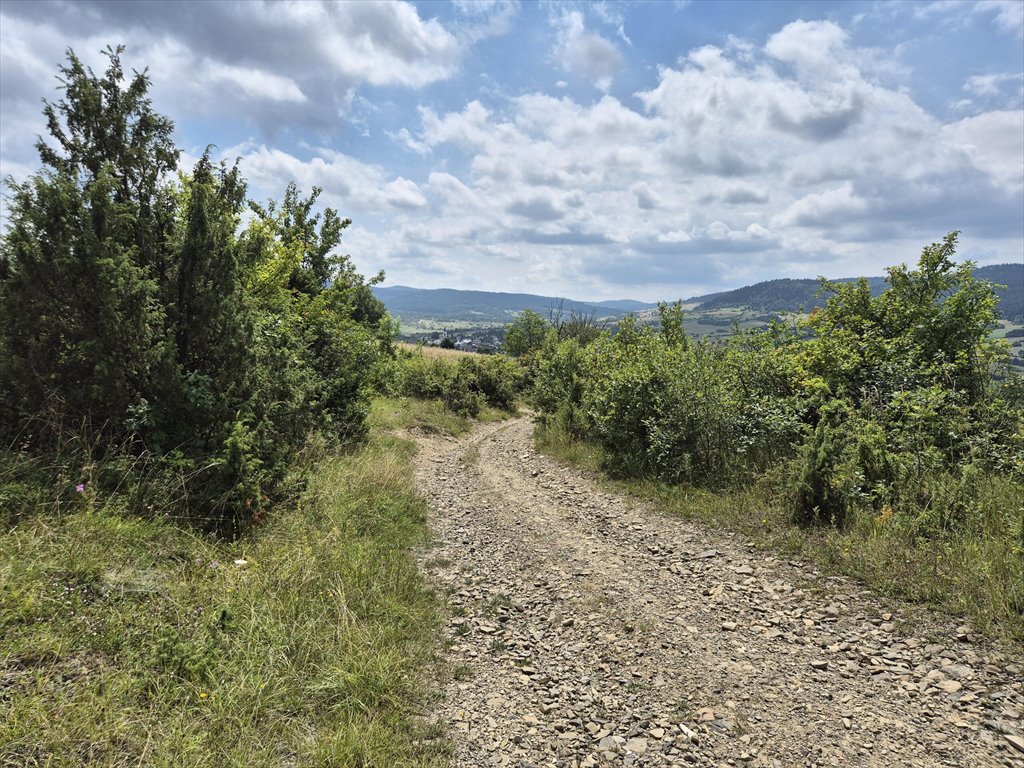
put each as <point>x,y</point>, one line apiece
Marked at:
<point>436,352</point>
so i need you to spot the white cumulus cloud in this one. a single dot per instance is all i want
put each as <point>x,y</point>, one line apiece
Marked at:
<point>584,52</point>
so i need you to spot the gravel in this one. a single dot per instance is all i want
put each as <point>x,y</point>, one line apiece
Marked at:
<point>591,630</point>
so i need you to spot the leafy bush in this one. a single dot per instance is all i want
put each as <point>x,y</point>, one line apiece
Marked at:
<point>664,407</point>
<point>559,384</point>
<point>526,334</point>
<point>823,483</point>
<point>498,379</point>
<point>464,383</point>
<point>461,392</point>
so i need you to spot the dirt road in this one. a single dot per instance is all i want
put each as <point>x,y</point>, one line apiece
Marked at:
<point>590,630</point>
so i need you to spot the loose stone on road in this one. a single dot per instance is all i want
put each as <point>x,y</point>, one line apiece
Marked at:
<point>591,630</point>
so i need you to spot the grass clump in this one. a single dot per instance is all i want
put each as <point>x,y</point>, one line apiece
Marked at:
<point>303,642</point>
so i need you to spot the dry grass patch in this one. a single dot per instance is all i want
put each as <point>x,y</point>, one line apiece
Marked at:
<point>435,352</point>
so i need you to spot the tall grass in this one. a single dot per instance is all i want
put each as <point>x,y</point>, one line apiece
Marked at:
<point>132,640</point>
<point>431,416</point>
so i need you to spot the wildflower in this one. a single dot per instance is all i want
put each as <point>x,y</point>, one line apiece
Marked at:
<point>80,488</point>
<point>202,694</point>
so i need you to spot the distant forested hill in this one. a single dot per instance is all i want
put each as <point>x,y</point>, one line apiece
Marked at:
<point>1011,300</point>
<point>783,295</point>
<point>447,304</point>
<point>787,295</point>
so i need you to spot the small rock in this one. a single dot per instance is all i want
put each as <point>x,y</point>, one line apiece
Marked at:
<point>1015,741</point>
<point>637,746</point>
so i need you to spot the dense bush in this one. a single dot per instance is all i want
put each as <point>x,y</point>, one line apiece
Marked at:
<point>498,379</point>
<point>464,383</point>
<point>526,334</point>
<point>822,484</point>
<point>663,406</point>
<point>137,314</point>
<point>559,379</point>
<point>887,404</point>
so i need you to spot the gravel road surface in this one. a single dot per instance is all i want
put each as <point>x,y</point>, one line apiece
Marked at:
<point>591,630</point>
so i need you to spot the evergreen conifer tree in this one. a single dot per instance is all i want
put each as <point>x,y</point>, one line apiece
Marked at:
<point>81,319</point>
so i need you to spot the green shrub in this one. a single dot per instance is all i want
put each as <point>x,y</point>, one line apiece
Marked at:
<point>421,376</point>
<point>461,393</point>
<point>499,380</point>
<point>526,334</point>
<point>464,384</point>
<point>669,409</point>
<point>885,404</point>
<point>824,483</point>
<point>559,384</point>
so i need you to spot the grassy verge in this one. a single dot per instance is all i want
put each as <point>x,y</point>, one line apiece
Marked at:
<point>398,413</point>
<point>306,642</point>
<point>980,576</point>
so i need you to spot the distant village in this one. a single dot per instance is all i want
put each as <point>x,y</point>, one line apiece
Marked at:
<point>485,341</point>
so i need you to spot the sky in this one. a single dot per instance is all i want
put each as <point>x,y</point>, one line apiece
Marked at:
<point>644,150</point>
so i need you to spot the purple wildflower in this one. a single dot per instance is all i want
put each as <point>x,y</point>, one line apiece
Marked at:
<point>80,488</point>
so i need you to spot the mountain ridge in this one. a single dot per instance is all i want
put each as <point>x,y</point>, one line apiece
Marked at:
<point>777,295</point>
<point>795,294</point>
<point>453,304</point>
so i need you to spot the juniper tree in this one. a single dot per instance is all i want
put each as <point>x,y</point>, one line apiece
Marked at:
<point>86,252</point>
